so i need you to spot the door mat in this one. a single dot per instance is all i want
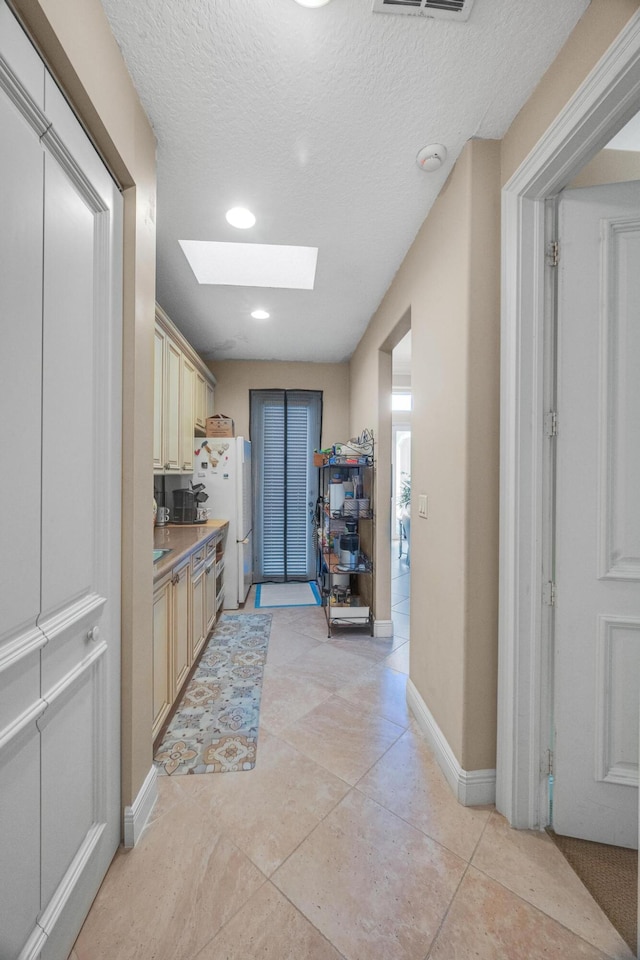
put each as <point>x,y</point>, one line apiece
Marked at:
<point>215,728</point>
<point>287,595</point>
<point>610,874</point>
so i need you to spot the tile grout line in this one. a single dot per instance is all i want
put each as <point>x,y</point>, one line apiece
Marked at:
<point>236,912</point>
<point>447,911</point>
<point>408,823</point>
<point>550,917</point>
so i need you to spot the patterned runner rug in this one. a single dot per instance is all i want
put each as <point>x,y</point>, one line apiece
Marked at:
<point>215,728</point>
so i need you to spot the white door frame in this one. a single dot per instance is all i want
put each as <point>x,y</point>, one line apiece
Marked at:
<point>606,100</point>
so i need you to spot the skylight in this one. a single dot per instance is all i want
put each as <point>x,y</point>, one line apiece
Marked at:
<point>251,264</point>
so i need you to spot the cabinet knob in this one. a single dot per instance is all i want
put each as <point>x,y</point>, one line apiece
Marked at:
<point>94,634</point>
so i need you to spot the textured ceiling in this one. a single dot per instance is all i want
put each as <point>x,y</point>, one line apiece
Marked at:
<point>312,119</point>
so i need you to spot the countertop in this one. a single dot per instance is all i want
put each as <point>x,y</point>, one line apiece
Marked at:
<point>181,539</point>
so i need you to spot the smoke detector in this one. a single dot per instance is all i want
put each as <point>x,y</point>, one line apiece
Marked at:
<point>432,157</point>
<point>434,9</point>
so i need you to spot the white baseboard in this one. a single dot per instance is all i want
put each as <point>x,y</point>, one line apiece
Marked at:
<point>383,628</point>
<point>136,816</point>
<point>472,788</point>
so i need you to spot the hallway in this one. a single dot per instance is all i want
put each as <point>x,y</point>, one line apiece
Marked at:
<point>345,841</point>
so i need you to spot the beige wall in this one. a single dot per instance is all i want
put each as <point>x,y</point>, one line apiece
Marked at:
<point>594,33</point>
<point>450,280</point>
<point>449,286</point>
<point>75,40</point>
<point>236,377</point>
<point>609,166</point>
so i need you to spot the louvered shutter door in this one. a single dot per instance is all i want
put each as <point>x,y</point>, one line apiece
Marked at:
<point>285,430</point>
<point>298,459</point>
<point>273,488</point>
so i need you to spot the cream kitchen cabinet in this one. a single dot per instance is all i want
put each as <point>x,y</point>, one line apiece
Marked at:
<point>183,398</point>
<point>201,401</point>
<point>185,603</point>
<point>198,602</point>
<point>182,614</point>
<point>172,421</point>
<point>162,666</point>
<point>210,589</point>
<point>159,344</point>
<point>172,657</point>
<point>187,414</point>
<point>209,408</point>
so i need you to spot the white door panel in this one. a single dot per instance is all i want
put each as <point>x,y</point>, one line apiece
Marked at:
<point>20,838</point>
<point>61,250</point>
<point>21,198</point>
<point>69,481</point>
<point>597,616</point>
<point>72,745</point>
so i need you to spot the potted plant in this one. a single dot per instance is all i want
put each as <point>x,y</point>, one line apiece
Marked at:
<point>404,497</point>
<point>404,511</point>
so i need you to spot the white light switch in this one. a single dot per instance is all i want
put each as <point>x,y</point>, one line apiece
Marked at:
<point>422,505</point>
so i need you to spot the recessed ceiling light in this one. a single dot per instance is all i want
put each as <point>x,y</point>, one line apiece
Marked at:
<point>260,315</point>
<point>312,3</point>
<point>251,264</point>
<point>240,217</point>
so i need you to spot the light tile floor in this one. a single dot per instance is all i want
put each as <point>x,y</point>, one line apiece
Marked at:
<point>344,842</point>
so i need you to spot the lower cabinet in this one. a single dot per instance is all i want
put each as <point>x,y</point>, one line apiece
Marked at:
<point>210,593</point>
<point>198,599</point>
<point>184,612</point>
<point>162,630</point>
<point>182,647</point>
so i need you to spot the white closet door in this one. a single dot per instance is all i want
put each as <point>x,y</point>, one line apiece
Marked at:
<point>21,196</point>
<point>80,525</point>
<point>60,443</point>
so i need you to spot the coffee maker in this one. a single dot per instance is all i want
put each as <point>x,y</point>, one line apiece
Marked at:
<point>184,506</point>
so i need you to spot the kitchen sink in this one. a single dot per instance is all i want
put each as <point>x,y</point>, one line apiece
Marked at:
<point>158,554</point>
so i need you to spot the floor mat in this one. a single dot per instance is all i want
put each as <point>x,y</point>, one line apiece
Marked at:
<point>215,728</point>
<point>287,595</point>
<point>610,874</point>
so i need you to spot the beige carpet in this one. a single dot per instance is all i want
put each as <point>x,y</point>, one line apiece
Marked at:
<point>610,874</point>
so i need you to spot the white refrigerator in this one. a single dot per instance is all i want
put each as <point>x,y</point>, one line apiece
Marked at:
<point>223,464</point>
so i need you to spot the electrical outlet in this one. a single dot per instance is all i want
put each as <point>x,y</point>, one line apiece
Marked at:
<point>422,506</point>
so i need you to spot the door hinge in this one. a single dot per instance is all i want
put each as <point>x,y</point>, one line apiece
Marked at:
<point>549,594</point>
<point>553,253</point>
<point>551,424</point>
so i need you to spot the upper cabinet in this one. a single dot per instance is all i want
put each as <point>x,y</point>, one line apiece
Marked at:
<point>187,414</point>
<point>183,398</point>
<point>158,411</point>
<point>201,401</point>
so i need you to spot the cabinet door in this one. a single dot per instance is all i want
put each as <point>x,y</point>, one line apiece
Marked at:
<point>182,646</point>
<point>158,394</point>
<point>162,667</point>
<point>201,401</point>
<point>210,595</point>
<point>171,407</point>
<point>198,609</point>
<point>187,415</point>
<point>209,411</point>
